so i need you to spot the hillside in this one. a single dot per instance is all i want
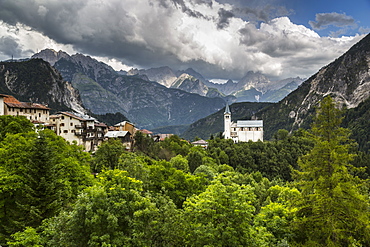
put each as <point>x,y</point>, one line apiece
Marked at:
<point>35,80</point>
<point>347,79</point>
<point>357,120</point>
<point>214,124</point>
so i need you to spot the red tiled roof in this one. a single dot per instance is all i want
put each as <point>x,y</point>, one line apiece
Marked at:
<point>100,125</point>
<point>10,99</point>
<point>13,102</point>
<point>145,131</point>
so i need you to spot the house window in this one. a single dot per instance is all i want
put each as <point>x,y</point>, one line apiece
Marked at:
<point>21,110</point>
<point>62,117</point>
<point>71,124</point>
<point>39,114</point>
<point>65,131</point>
<point>62,124</point>
<point>34,111</point>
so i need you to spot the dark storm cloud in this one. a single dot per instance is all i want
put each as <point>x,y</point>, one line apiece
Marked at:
<point>257,10</point>
<point>98,29</point>
<point>202,34</point>
<point>9,47</point>
<point>224,17</point>
<point>181,4</point>
<point>323,20</point>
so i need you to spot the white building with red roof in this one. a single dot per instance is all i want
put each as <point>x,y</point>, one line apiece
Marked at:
<point>83,130</point>
<point>33,111</point>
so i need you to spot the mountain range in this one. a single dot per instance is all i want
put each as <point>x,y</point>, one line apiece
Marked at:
<point>253,87</point>
<point>146,103</point>
<point>159,97</point>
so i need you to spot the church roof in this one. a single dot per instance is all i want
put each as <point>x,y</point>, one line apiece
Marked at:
<point>249,123</point>
<point>227,109</point>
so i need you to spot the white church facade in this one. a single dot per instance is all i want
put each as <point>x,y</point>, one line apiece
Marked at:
<point>242,130</point>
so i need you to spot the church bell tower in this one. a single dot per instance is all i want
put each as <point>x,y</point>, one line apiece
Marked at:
<point>227,122</point>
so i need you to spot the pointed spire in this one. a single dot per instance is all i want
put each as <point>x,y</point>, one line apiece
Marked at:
<point>227,108</point>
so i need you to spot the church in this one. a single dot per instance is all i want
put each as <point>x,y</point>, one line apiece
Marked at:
<point>242,130</point>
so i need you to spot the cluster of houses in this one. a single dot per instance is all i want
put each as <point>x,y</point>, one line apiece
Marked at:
<point>73,127</point>
<point>88,132</point>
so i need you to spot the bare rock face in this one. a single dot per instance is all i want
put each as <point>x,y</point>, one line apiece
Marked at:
<point>35,80</point>
<point>190,84</point>
<point>347,80</point>
<point>51,56</point>
<point>163,75</point>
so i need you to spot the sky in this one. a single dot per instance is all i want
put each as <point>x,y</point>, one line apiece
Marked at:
<point>221,39</point>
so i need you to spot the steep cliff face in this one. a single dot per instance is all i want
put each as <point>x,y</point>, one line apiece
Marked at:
<point>190,84</point>
<point>163,75</point>
<point>35,80</point>
<point>347,80</point>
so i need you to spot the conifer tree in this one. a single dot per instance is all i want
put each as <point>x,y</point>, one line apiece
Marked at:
<point>332,210</point>
<point>40,173</point>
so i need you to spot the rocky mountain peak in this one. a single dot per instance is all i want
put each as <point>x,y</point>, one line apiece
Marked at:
<point>253,79</point>
<point>51,56</point>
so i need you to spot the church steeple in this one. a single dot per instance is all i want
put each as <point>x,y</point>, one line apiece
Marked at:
<point>227,109</point>
<point>227,122</point>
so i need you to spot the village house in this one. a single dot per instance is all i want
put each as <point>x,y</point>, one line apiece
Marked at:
<point>201,143</point>
<point>35,112</point>
<point>124,131</point>
<point>124,136</point>
<point>83,130</point>
<point>125,126</point>
<point>2,106</point>
<point>161,137</point>
<point>242,130</point>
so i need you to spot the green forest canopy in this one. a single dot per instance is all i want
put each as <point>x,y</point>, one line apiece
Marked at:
<point>284,192</point>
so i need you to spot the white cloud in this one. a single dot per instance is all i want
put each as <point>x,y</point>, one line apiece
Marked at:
<point>155,33</point>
